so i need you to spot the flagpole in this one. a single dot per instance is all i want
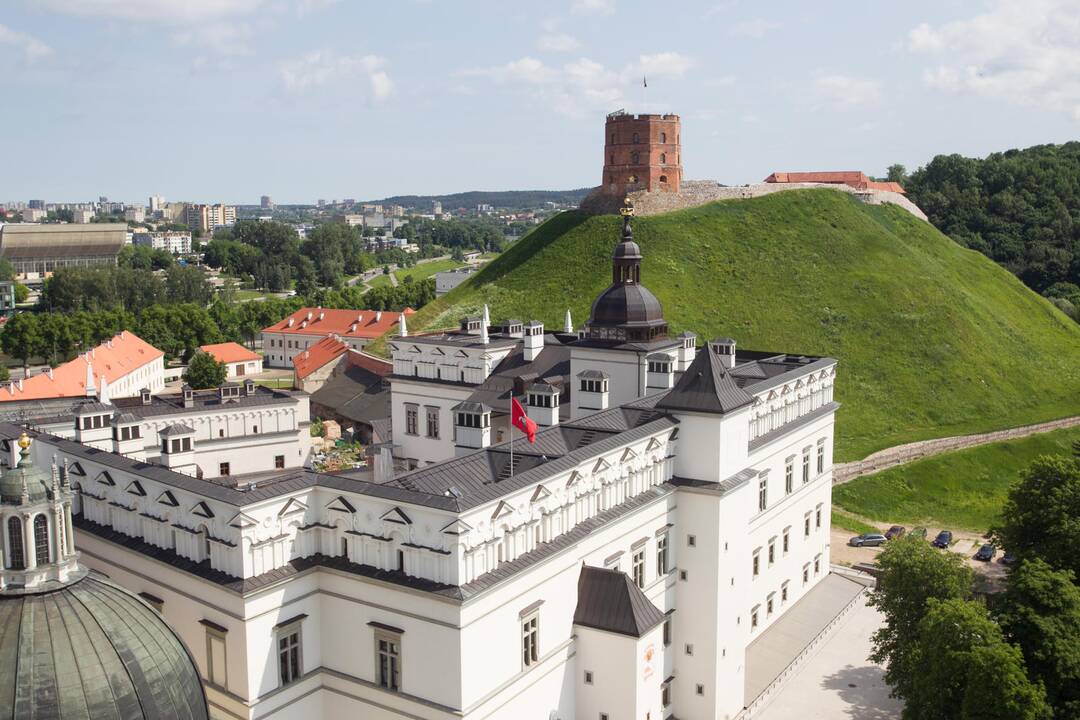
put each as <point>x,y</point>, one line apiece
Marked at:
<point>511,434</point>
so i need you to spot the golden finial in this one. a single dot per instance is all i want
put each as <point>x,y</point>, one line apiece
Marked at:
<point>627,208</point>
<point>24,441</point>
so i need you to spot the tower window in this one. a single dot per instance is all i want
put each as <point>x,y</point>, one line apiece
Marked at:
<point>16,560</point>
<point>637,139</point>
<point>41,540</point>
<point>663,158</point>
<point>663,137</point>
<point>635,158</point>
<point>663,178</point>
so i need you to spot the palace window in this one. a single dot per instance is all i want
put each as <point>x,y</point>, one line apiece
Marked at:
<point>667,632</point>
<point>530,639</point>
<point>787,539</point>
<point>756,564</point>
<point>637,138</point>
<point>806,573</point>
<point>817,518</point>
<point>789,474</point>
<point>661,555</point>
<point>16,560</point>
<point>820,456</point>
<point>663,139</point>
<point>806,466</point>
<point>783,592</point>
<point>279,461</point>
<point>411,420</point>
<point>432,416</point>
<point>817,565</point>
<point>216,663</point>
<point>769,603</point>
<point>289,658</point>
<point>41,540</point>
<point>806,525</point>
<point>388,659</point>
<point>638,568</point>
<point>772,551</point>
<point>223,469</point>
<point>754,618</point>
<point>763,492</point>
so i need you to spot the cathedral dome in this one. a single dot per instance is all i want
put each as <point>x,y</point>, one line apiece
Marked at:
<point>92,650</point>
<point>627,304</point>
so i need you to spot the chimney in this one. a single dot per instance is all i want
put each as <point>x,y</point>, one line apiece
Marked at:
<point>189,396</point>
<point>103,395</point>
<point>90,390</point>
<point>534,340</point>
<point>378,315</point>
<point>484,320</point>
<point>568,325</point>
<point>725,348</point>
<point>543,401</point>
<point>404,331</point>
<point>472,427</point>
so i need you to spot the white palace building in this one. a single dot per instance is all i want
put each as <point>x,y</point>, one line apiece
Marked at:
<point>674,507</point>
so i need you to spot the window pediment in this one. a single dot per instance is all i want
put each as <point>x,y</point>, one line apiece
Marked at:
<point>396,515</point>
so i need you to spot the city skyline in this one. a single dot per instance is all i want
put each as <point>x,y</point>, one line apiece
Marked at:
<point>305,99</point>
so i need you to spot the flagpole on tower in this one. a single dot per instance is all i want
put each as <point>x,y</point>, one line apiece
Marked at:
<point>511,434</point>
<point>644,94</point>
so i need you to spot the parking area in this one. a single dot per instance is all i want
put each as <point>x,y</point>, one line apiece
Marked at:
<point>838,682</point>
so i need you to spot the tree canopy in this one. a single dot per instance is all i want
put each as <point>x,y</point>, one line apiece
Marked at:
<point>204,371</point>
<point>1041,517</point>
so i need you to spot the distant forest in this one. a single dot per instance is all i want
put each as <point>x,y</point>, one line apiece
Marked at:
<point>512,199</point>
<point>1021,208</point>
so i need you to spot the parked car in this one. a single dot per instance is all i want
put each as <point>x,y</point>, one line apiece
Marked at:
<point>986,552</point>
<point>1008,559</point>
<point>867,540</point>
<point>894,532</point>
<point>943,539</point>
<point>919,532</point>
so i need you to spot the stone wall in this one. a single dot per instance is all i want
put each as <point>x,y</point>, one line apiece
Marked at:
<point>698,192</point>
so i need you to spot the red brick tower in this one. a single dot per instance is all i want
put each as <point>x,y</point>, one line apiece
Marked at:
<point>641,152</point>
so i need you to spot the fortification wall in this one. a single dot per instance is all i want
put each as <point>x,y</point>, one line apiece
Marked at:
<point>698,192</point>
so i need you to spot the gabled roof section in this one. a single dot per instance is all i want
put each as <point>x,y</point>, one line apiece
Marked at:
<point>458,527</point>
<point>230,352</point>
<point>291,507</point>
<point>318,355</point>
<point>540,493</point>
<point>706,387</point>
<point>396,515</point>
<point>167,498</point>
<point>242,520</point>
<point>609,600</point>
<point>502,510</point>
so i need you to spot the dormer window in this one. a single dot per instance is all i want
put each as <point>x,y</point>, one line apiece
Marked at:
<point>660,366</point>
<point>594,385</point>
<point>473,420</point>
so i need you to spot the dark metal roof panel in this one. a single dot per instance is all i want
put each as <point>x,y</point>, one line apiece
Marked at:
<point>609,600</point>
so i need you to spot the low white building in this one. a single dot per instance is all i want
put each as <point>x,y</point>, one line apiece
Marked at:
<point>239,361</point>
<point>175,242</point>
<point>619,567</point>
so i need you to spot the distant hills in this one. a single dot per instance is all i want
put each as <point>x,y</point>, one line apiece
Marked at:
<point>933,339</point>
<point>511,199</point>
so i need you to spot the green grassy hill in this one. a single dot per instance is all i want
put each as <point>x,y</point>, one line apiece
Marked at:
<point>932,339</point>
<point>962,490</point>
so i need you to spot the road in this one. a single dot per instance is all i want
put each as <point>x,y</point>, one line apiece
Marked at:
<point>374,272</point>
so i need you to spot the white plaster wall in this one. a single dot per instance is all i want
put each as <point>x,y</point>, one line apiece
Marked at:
<point>418,447</point>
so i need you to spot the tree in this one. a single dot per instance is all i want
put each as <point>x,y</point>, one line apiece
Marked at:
<point>1040,612</point>
<point>966,670</point>
<point>7,270</point>
<point>22,293</point>
<point>204,371</point>
<point>912,573</point>
<point>21,336</point>
<point>5,374</point>
<point>187,284</point>
<point>1041,517</point>
<point>897,173</point>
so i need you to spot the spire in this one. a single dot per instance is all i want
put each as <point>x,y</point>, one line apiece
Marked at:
<point>484,326</point>
<point>103,394</point>
<point>90,391</point>
<point>402,327</point>
<point>568,325</point>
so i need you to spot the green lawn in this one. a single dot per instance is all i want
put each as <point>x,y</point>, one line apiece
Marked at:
<point>852,525</point>
<point>378,281</point>
<point>243,295</point>
<point>422,272</point>
<point>933,339</point>
<point>962,490</point>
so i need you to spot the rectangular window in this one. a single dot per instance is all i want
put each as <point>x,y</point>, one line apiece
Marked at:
<point>223,469</point>
<point>667,632</point>
<point>411,421</point>
<point>388,659</point>
<point>769,604</point>
<point>530,640</point>
<point>431,414</point>
<point>757,564</point>
<point>806,525</point>
<point>688,648</point>
<point>763,493</point>
<point>638,567</point>
<point>691,540</point>
<point>215,657</point>
<point>806,573</point>
<point>820,456</point>
<point>665,695</point>
<point>789,475</point>
<point>817,518</point>
<point>588,677</point>
<point>289,654</point>
<point>661,555</point>
<point>806,466</point>
<point>754,618</point>
<point>279,461</point>
<point>783,593</point>
<point>787,539</point>
<point>700,689</point>
<point>772,552</point>
<point>817,565</point>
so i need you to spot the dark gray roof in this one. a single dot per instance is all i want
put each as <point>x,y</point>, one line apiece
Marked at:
<point>471,407</point>
<point>356,394</point>
<point>176,429</point>
<point>173,404</point>
<point>92,650</point>
<point>707,387</point>
<point>609,600</point>
<point>593,374</point>
<point>553,363</point>
<point>86,408</point>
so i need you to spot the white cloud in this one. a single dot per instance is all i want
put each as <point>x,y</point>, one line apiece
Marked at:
<point>1026,53</point>
<point>221,38</point>
<point>592,7</point>
<point>163,12</point>
<point>756,28</point>
<point>321,67</point>
<point>557,42</point>
<point>584,85</point>
<point>31,48</point>
<point>847,91</point>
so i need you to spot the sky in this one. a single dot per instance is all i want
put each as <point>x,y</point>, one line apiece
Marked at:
<point>227,100</point>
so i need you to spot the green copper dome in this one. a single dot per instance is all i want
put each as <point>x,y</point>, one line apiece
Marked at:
<point>92,650</point>
<point>23,475</point>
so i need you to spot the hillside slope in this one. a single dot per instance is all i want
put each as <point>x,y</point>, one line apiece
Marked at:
<point>933,339</point>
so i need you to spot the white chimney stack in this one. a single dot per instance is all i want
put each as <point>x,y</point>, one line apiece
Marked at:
<point>534,340</point>
<point>103,394</point>
<point>484,326</point>
<point>401,326</point>
<point>90,390</point>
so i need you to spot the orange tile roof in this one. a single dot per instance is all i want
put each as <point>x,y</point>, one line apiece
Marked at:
<point>854,178</point>
<point>346,323</point>
<point>230,352</point>
<point>316,356</point>
<point>112,360</point>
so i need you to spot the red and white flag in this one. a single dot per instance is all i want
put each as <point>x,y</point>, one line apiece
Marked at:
<point>521,421</point>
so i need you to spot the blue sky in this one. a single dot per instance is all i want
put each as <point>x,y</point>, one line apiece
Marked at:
<point>225,100</point>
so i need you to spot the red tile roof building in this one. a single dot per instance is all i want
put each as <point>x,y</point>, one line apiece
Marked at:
<point>125,364</point>
<point>283,340</point>
<point>312,367</point>
<point>851,178</point>
<point>239,361</point>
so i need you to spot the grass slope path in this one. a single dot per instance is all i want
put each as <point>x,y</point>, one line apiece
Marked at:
<point>934,340</point>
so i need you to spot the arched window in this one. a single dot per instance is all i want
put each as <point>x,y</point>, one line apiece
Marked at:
<point>663,137</point>
<point>663,158</point>
<point>637,139</point>
<point>16,558</point>
<point>635,158</point>
<point>41,540</point>
<point>663,178</point>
